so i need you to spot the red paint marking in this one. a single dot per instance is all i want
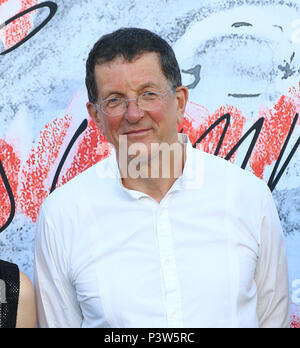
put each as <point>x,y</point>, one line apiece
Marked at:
<point>18,29</point>
<point>295,322</point>
<point>295,95</point>
<point>11,165</point>
<point>36,173</point>
<point>274,132</point>
<point>295,316</point>
<point>210,142</point>
<point>271,139</point>
<point>92,149</point>
<point>39,172</point>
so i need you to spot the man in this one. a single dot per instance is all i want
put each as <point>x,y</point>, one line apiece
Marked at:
<point>145,239</point>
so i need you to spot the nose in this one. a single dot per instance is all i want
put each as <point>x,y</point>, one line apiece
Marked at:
<point>133,113</point>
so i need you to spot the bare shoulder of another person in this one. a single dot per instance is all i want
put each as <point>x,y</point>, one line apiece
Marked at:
<point>26,317</point>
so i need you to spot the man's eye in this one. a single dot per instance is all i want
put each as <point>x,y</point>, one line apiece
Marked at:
<point>110,103</point>
<point>149,95</point>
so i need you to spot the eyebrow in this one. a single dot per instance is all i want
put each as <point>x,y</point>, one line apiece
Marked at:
<point>148,84</point>
<point>143,86</point>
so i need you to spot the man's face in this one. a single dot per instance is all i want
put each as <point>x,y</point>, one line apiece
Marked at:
<point>120,78</point>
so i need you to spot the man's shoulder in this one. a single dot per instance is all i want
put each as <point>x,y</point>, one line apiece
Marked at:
<point>238,190</point>
<point>223,173</point>
<point>82,187</point>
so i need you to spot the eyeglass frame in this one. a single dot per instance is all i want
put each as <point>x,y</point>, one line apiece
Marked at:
<point>97,107</point>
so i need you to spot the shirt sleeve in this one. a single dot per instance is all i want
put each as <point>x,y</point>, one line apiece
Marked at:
<point>57,306</point>
<point>272,271</point>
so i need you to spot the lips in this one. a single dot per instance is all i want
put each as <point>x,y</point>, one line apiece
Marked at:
<point>137,131</point>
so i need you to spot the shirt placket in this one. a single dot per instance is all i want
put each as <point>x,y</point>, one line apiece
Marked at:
<point>169,269</point>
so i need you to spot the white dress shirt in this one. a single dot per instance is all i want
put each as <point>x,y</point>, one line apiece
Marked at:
<point>210,254</point>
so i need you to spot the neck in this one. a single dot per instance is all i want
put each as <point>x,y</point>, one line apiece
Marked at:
<point>155,174</point>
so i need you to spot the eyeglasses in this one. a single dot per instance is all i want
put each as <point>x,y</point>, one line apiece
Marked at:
<point>147,101</point>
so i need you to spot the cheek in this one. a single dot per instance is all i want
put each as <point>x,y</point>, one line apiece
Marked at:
<point>158,116</point>
<point>114,123</point>
<point>165,118</point>
<point>111,126</point>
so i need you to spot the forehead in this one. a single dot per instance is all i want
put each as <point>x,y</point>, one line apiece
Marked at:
<point>121,75</point>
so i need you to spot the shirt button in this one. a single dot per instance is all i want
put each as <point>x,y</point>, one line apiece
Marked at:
<point>174,315</point>
<point>167,261</point>
<point>162,211</point>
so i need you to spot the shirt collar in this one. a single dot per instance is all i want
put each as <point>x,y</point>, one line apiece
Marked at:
<point>191,178</point>
<point>193,171</point>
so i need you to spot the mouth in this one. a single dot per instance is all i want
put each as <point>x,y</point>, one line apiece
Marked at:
<point>137,132</point>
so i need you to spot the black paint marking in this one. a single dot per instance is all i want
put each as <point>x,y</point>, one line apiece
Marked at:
<point>239,95</point>
<point>11,198</point>
<point>273,181</point>
<point>52,7</point>
<point>241,24</point>
<point>226,117</point>
<point>196,73</point>
<point>79,131</point>
<point>280,27</point>
<point>257,128</point>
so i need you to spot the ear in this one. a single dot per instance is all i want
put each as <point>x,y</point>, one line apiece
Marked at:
<point>94,115</point>
<point>182,95</point>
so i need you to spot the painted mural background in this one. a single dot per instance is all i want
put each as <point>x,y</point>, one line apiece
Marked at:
<point>239,58</point>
